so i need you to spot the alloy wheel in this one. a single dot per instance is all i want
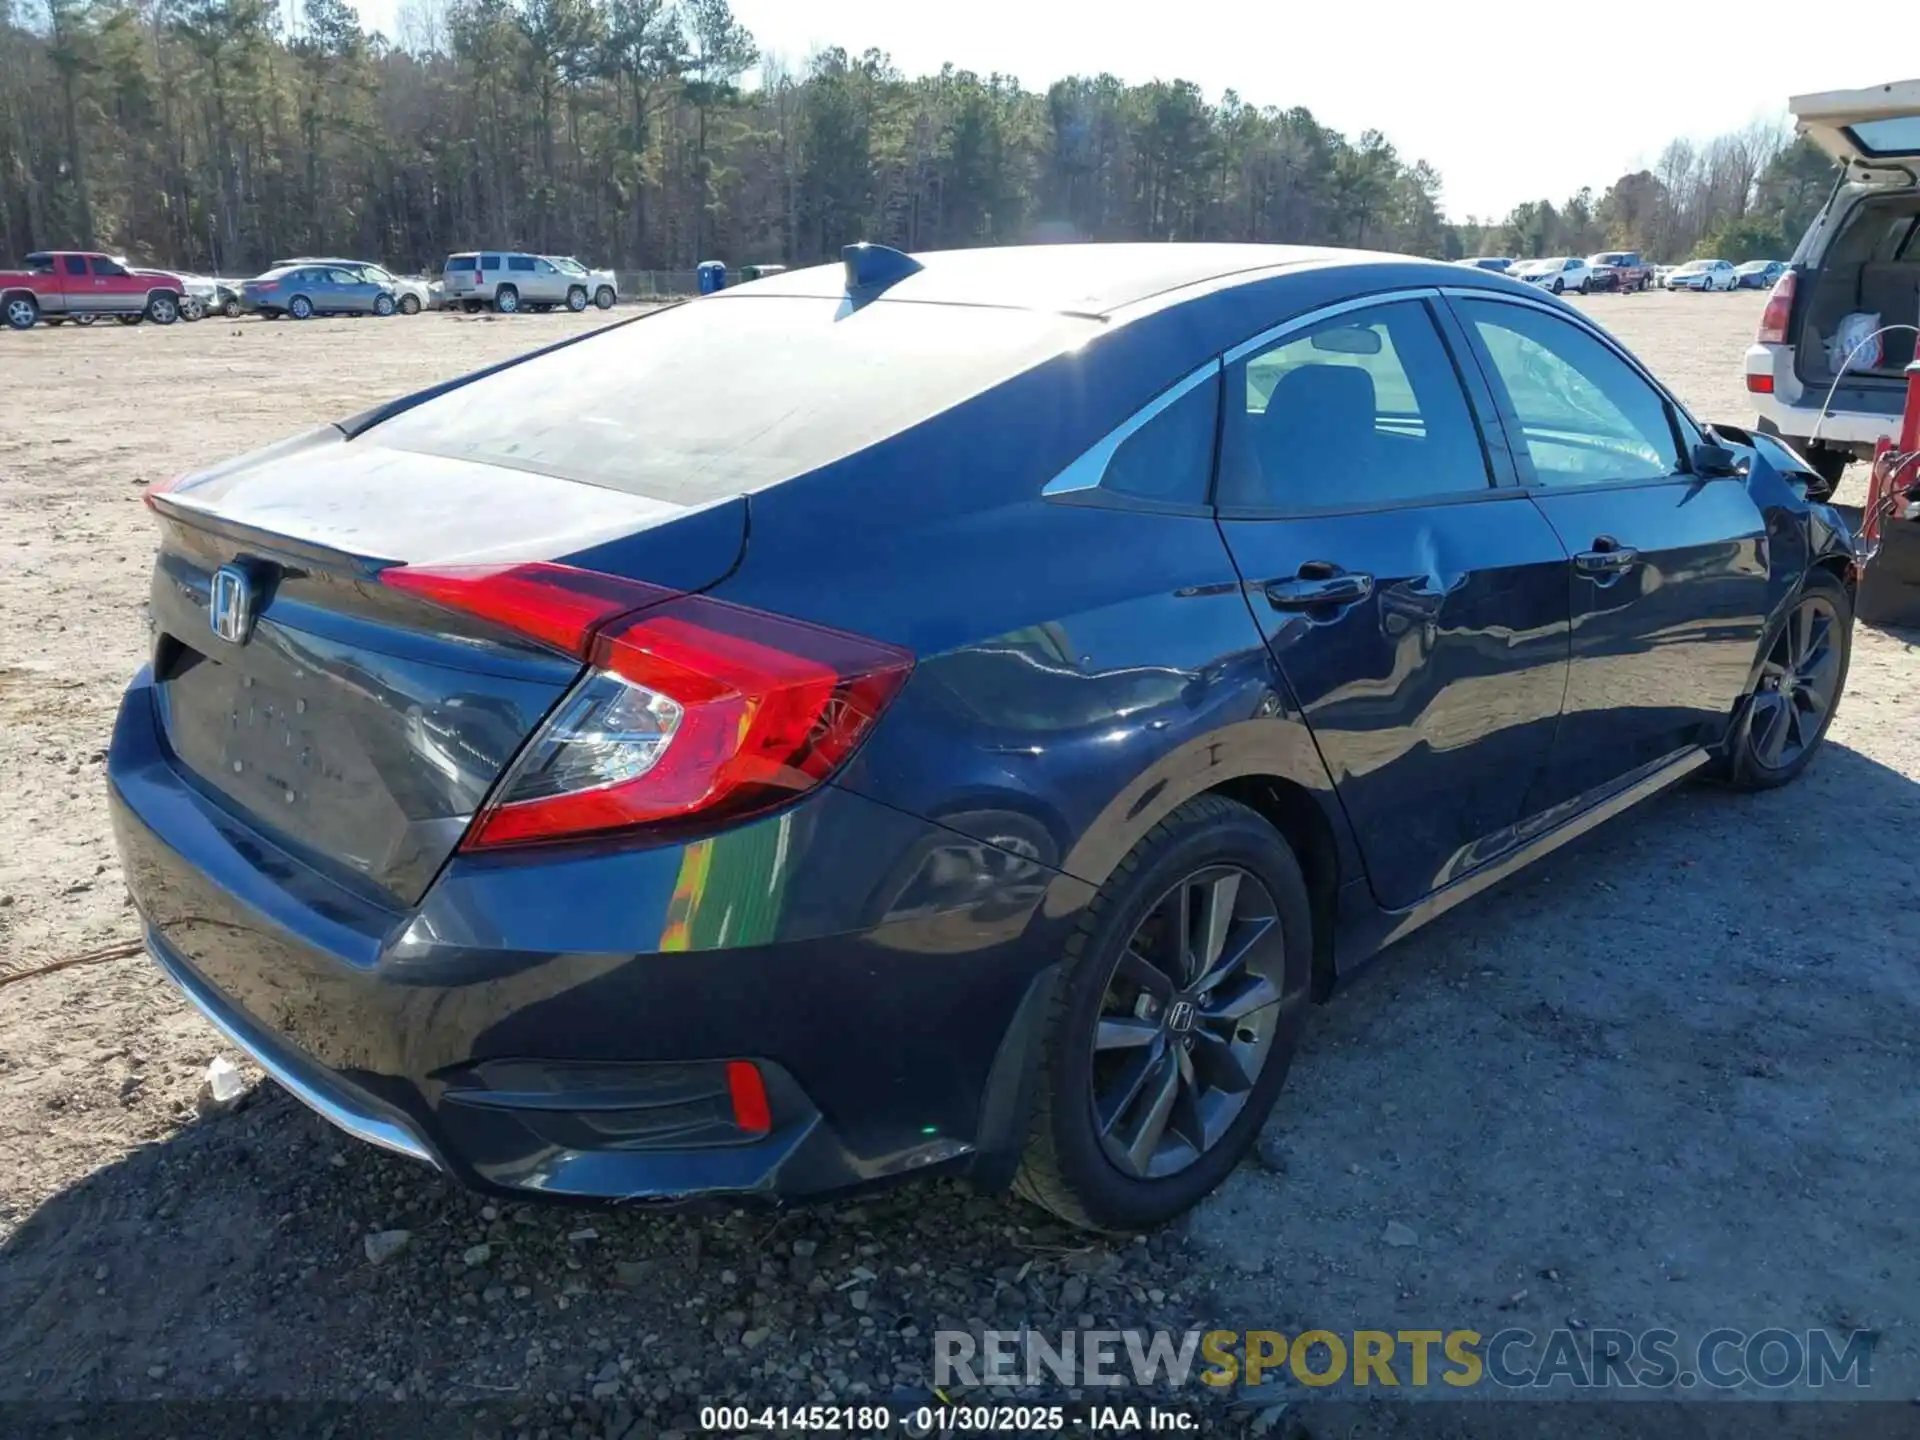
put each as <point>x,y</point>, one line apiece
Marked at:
<point>1797,686</point>
<point>21,314</point>
<point>1187,1022</point>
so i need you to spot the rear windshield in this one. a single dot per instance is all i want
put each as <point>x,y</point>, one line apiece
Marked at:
<point>458,262</point>
<point>720,396</point>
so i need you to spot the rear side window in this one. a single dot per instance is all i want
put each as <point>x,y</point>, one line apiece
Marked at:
<point>1168,455</point>
<point>103,266</point>
<point>489,262</point>
<point>1364,408</point>
<point>729,395</point>
<point>1587,416</point>
<point>522,263</point>
<point>458,262</point>
<point>75,264</point>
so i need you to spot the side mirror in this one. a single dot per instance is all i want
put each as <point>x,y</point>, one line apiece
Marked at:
<point>1711,460</point>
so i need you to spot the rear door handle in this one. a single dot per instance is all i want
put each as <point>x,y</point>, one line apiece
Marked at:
<point>1607,557</point>
<point>1318,584</point>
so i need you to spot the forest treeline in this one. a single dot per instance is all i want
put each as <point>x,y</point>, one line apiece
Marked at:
<point>652,134</point>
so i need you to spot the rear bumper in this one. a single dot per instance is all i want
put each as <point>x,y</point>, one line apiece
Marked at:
<point>1793,409</point>
<point>876,967</point>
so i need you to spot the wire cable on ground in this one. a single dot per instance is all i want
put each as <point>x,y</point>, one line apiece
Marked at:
<point>124,950</point>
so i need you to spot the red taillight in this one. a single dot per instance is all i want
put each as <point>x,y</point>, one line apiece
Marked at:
<point>749,1094</point>
<point>267,287</point>
<point>1773,319</point>
<point>692,706</point>
<point>160,487</point>
<point>1760,384</point>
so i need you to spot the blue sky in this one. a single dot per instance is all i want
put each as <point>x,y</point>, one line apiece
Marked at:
<point>1509,102</point>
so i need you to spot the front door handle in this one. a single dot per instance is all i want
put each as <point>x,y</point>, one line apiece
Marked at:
<point>1317,584</point>
<point>1607,557</point>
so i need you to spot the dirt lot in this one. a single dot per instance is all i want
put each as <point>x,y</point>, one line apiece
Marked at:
<point>1664,1079</point>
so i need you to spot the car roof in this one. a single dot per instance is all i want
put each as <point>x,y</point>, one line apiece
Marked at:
<point>1092,279</point>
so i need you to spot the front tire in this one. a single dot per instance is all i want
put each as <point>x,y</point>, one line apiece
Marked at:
<point>409,304</point>
<point>1559,286</point>
<point>604,297</point>
<point>1799,686</point>
<point>506,300</point>
<point>577,298</point>
<point>1174,1021</point>
<point>163,309</point>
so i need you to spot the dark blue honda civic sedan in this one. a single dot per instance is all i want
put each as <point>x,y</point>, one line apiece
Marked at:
<point>940,713</point>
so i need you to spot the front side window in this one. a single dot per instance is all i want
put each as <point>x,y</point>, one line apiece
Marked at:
<point>1361,409</point>
<point>1586,416</point>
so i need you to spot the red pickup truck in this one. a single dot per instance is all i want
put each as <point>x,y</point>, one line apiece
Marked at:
<point>80,285</point>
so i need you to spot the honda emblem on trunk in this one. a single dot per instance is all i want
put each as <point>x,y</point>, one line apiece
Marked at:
<point>230,606</point>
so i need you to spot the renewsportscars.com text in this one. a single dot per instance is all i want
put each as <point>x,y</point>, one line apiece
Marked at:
<point>1722,1359</point>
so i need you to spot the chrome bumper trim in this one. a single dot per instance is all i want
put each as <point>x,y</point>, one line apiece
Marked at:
<point>362,1125</point>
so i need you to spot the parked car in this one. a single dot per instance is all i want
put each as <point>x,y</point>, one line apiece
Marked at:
<point>303,291</point>
<point>1703,275</point>
<point>1621,270</point>
<point>1857,256</point>
<point>1558,273</point>
<point>83,285</point>
<point>1759,274</point>
<point>980,824</point>
<point>1499,264</point>
<point>409,296</point>
<point>199,296</point>
<point>581,282</point>
<point>509,281</point>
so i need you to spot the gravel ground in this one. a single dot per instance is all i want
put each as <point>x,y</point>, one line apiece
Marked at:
<point>1662,1079</point>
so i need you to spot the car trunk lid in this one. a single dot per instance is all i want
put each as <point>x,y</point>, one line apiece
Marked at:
<point>1863,128</point>
<point>356,725</point>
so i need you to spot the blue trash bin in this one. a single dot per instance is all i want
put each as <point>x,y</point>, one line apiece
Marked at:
<point>713,276</point>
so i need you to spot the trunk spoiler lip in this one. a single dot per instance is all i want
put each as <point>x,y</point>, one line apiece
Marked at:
<point>355,426</point>
<point>270,544</point>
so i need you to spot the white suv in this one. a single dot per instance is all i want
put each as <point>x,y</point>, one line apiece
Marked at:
<point>1860,256</point>
<point>513,280</point>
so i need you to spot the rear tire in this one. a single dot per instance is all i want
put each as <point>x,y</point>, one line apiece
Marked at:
<point>232,310</point>
<point>1829,464</point>
<point>23,312</point>
<point>506,300</point>
<point>300,308</point>
<point>383,306</point>
<point>1803,675</point>
<point>1068,1166</point>
<point>129,319</point>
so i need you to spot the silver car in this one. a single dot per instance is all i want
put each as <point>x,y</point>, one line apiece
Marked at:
<point>410,297</point>
<point>513,280</point>
<point>303,291</point>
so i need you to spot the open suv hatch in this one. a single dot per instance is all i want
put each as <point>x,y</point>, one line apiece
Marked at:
<point>1861,253</point>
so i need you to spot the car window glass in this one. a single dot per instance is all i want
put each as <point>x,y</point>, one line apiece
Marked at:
<point>459,262</point>
<point>1372,413</point>
<point>103,266</point>
<point>519,262</point>
<point>489,262</point>
<point>76,265</point>
<point>1586,416</point>
<point>544,268</point>
<point>1170,458</point>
